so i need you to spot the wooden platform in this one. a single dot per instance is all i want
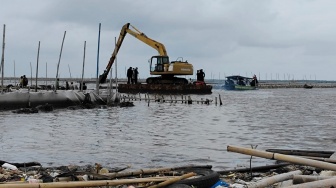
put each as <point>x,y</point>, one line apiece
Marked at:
<point>165,88</point>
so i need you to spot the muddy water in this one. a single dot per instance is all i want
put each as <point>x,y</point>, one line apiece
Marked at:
<point>171,134</point>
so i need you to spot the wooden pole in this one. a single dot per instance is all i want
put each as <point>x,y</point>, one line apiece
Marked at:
<point>281,157</point>
<point>97,76</point>
<point>116,70</point>
<point>46,73</point>
<point>3,56</point>
<point>69,70</point>
<point>37,62</point>
<point>59,59</point>
<point>81,89</point>
<point>220,100</point>
<point>31,74</point>
<point>14,74</point>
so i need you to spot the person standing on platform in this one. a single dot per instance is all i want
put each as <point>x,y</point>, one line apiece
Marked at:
<point>135,75</point>
<point>129,75</point>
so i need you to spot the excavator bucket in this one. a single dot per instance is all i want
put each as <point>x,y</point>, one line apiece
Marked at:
<point>103,77</point>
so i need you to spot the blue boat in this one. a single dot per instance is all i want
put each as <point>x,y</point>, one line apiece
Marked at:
<point>240,83</point>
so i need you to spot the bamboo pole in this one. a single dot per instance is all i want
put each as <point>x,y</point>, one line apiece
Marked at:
<point>14,74</point>
<point>97,76</point>
<point>83,183</point>
<point>81,88</point>
<point>254,169</point>
<point>327,183</point>
<point>59,59</point>
<point>173,180</point>
<point>298,179</point>
<point>151,171</point>
<point>37,64</point>
<point>46,73</point>
<point>274,179</point>
<point>31,74</point>
<point>281,157</point>
<point>3,56</point>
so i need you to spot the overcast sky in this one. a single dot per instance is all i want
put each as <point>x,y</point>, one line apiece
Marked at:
<point>269,38</point>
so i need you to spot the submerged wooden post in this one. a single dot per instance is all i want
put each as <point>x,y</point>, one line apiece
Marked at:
<point>182,98</point>
<point>139,97</point>
<point>189,100</point>
<point>220,100</point>
<point>148,100</point>
<point>216,101</point>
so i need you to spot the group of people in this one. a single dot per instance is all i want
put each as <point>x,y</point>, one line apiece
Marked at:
<point>132,75</point>
<point>68,86</point>
<point>23,81</point>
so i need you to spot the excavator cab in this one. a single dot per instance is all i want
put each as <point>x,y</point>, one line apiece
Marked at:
<point>159,64</point>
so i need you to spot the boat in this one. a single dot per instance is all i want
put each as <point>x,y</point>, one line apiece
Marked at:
<point>237,82</point>
<point>306,86</point>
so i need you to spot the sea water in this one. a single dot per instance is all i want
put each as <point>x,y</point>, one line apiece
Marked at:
<point>174,134</point>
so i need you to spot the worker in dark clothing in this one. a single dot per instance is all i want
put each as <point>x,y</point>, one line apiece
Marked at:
<point>202,74</point>
<point>129,75</point>
<point>198,75</point>
<point>25,81</point>
<point>135,75</point>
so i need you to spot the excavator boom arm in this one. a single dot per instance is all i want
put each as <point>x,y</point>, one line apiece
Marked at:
<point>102,78</point>
<point>150,42</point>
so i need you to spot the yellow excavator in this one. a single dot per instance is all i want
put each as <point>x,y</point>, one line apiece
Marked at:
<point>159,64</point>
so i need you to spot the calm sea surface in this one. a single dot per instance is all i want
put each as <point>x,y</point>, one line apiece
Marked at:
<point>173,134</point>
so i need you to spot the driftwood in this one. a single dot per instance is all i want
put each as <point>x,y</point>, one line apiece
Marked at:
<point>282,157</point>
<point>324,154</point>
<point>274,179</point>
<point>83,183</point>
<point>173,180</point>
<point>298,179</point>
<point>254,169</point>
<point>327,183</point>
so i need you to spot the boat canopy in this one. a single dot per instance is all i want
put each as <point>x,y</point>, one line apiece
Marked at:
<point>237,77</point>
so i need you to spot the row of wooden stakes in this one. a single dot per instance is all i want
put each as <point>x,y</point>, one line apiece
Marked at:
<point>184,99</point>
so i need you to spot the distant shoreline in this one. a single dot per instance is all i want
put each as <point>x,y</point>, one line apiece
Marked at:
<point>264,84</point>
